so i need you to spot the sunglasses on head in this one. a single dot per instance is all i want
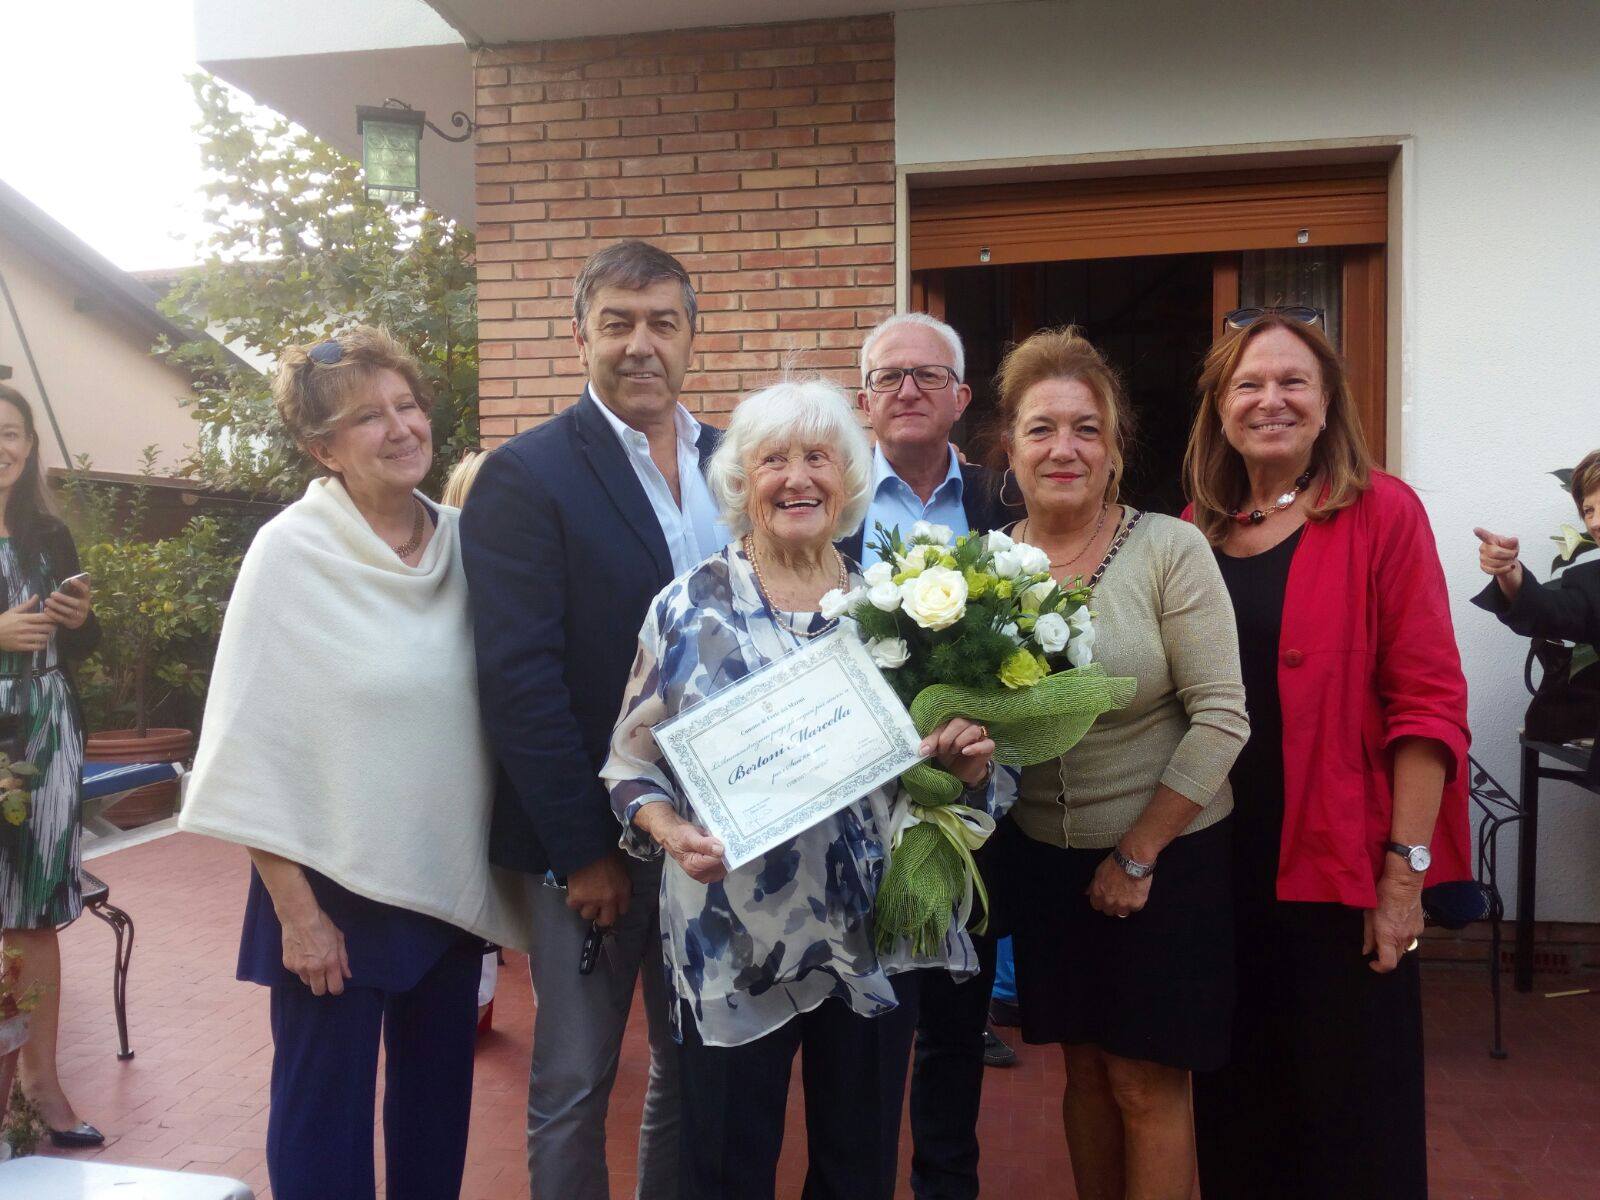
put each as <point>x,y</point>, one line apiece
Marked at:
<point>1243,318</point>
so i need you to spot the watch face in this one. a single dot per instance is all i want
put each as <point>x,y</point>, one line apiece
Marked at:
<point>1421,858</point>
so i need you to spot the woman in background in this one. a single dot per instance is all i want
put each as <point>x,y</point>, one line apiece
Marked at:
<point>48,623</point>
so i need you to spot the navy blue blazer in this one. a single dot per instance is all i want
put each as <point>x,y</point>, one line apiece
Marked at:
<point>563,555</point>
<point>980,496</point>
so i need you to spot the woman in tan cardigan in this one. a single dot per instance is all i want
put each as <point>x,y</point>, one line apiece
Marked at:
<point>1117,854</point>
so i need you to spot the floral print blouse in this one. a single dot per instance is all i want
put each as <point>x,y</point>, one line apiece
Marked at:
<point>792,928</point>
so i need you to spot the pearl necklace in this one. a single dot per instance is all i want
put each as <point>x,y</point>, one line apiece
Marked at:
<point>766,596</point>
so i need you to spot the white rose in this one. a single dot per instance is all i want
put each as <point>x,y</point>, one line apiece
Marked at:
<point>942,534</point>
<point>836,604</point>
<point>936,599</point>
<point>878,572</point>
<point>916,558</point>
<point>884,596</point>
<point>1081,619</point>
<point>1033,598</point>
<point>1034,560</point>
<point>995,542</point>
<point>1008,563</point>
<point>1080,651</point>
<point>889,653</point>
<point>1051,632</point>
<point>919,530</point>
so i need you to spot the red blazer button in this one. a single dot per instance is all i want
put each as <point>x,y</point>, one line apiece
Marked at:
<point>1293,658</point>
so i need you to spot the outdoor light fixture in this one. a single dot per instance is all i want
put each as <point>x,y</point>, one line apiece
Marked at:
<point>391,148</point>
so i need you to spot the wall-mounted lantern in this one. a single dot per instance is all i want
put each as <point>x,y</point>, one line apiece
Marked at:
<point>391,148</point>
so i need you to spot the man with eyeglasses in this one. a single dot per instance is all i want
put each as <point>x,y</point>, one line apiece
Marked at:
<point>912,394</point>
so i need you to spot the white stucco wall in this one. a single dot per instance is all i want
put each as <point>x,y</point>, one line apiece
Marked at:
<point>1497,105</point>
<point>111,397</point>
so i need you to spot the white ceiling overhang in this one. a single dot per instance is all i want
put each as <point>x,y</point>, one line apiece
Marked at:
<point>497,22</point>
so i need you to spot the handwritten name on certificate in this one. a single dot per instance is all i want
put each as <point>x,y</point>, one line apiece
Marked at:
<point>789,745</point>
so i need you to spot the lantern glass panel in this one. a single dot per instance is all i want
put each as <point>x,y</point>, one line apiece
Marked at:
<point>391,157</point>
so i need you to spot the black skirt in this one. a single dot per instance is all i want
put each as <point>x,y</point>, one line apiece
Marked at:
<point>1156,986</point>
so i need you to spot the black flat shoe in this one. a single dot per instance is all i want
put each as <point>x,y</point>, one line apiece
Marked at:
<point>995,1052</point>
<point>80,1135</point>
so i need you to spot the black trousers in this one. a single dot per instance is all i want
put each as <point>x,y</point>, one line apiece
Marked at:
<point>1323,1099</point>
<point>734,1097</point>
<point>325,1080</point>
<point>947,1079</point>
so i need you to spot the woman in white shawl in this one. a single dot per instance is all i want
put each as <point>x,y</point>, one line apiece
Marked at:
<point>342,746</point>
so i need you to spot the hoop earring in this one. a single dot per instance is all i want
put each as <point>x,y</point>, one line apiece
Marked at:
<point>1021,501</point>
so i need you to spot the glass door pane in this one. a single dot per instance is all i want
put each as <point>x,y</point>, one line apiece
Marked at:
<point>1312,276</point>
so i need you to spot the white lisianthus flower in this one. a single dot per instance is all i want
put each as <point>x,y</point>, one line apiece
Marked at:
<point>1569,539</point>
<point>995,542</point>
<point>837,604</point>
<point>878,572</point>
<point>884,596</point>
<point>942,534</point>
<point>1008,563</point>
<point>1011,631</point>
<point>1051,632</point>
<point>1080,650</point>
<point>936,599</point>
<point>1034,560</point>
<point>920,530</point>
<point>916,558</point>
<point>889,653</point>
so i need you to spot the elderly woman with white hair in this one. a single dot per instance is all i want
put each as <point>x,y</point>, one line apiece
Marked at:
<point>779,954</point>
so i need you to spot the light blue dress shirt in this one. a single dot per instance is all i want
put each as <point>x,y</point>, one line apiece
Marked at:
<point>895,504</point>
<point>693,529</point>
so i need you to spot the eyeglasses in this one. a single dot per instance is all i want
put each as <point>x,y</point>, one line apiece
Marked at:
<point>928,378</point>
<point>1243,318</point>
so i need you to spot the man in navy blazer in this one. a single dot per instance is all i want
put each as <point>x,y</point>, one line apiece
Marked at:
<point>913,393</point>
<point>570,530</point>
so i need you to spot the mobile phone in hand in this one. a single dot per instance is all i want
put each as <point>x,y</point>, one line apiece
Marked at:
<point>75,583</point>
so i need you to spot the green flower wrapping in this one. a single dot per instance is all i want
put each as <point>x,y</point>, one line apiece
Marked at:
<point>931,871</point>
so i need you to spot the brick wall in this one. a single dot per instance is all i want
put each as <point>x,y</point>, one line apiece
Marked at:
<point>762,156</point>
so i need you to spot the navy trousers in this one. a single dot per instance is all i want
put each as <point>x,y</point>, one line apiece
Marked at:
<point>947,1079</point>
<point>325,1080</point>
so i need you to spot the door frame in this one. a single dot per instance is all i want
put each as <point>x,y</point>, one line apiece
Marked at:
<point>1381,348</point>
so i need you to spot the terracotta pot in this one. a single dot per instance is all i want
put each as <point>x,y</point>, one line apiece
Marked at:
<point>125,745</point>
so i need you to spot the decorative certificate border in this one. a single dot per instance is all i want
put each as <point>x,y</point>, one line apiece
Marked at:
<point>876,700</point>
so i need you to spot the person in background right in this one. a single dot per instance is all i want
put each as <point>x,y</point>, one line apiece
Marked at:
<point>1565,609</point>
<point>1352,787</point>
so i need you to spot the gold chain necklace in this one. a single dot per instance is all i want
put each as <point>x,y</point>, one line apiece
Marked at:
<point>408,548</point>
<point>766,596</point>
<point>1061,562</point>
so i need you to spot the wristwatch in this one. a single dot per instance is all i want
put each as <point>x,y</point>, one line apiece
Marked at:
<point>1132,867</point>
<point>1418,858</point>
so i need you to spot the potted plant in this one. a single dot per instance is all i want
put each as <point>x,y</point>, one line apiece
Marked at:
<point>16,1003</point>
<point>160,604</point>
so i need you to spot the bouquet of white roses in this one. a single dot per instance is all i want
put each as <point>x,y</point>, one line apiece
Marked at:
<point>971,626</point>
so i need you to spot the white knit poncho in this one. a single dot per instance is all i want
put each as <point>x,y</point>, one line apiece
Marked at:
<point>341,730</point>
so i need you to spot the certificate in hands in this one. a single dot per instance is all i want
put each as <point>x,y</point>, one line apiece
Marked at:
<point>790,745</point>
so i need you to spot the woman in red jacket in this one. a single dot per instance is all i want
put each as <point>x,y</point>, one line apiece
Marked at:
<point>1352,788</point>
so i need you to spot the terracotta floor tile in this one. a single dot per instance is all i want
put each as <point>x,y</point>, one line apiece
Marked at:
<point>195,1095</point>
